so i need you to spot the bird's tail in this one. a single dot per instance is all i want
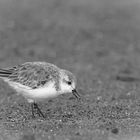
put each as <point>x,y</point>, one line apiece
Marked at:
<point>5,73</point>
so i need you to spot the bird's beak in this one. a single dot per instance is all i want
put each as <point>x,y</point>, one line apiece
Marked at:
<point>75,93</point>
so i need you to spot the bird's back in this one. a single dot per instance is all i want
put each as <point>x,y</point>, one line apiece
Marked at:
<point>31,74</point>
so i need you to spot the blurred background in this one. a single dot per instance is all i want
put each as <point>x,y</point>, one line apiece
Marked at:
<point>42,30</point>
<point>99,41</point>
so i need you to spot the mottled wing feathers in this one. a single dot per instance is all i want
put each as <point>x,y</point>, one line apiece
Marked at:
<point>30,74</point>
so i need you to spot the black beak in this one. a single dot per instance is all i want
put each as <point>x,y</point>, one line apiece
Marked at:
<point>75,93</point>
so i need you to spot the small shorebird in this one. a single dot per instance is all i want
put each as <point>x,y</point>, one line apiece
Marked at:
<point>37,81</point>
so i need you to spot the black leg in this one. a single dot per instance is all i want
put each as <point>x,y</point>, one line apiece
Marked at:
<point>32,107</point>
<point>38,110</point>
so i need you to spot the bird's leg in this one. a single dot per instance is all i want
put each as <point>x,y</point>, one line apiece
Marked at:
<point>38,110</point>
<point>32,107</point>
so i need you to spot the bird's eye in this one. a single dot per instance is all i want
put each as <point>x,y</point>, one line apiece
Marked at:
<point>69,83</point>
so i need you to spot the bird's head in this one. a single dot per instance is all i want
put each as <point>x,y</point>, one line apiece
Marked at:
<point>68,83</point>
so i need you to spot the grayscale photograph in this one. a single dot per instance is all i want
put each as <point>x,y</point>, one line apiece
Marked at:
<point>69,70</point>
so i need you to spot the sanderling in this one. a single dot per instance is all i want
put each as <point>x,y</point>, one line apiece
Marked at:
<point>37,81</point>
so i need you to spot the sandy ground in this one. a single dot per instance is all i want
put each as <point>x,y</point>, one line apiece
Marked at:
<point>101,47</point>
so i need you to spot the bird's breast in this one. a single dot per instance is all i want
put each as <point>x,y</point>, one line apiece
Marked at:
<point>47,91</point>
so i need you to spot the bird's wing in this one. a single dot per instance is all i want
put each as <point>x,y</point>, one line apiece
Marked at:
<point>28,74</point>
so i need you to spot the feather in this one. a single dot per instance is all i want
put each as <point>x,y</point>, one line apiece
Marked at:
<point>5,73</point>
